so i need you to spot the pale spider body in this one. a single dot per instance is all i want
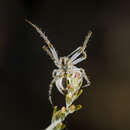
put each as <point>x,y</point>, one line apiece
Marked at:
<point>67,71</point>
<point>66,76</point>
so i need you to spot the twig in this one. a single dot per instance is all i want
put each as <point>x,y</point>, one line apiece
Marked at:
<point>59,115</point>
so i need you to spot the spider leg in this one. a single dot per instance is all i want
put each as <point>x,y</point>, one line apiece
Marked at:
<point>55,78</point>
<point>85,77</point>
<point>50,90</point>
<point>48,52</point>
<point>81,58</point>
<point>86,40</point>
<point>55,71</point>
<point>74,51</point>
<point>61,90</point>
<point>52,49</point>
<point>80,50</point>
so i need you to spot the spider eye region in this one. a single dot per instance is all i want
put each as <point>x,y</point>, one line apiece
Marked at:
<point>65,67</point>
<point>64,61</point>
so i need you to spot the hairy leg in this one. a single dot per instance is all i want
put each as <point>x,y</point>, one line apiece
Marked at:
<point>50,90</point>
<point>74,53</point>
<point>80,59</point>
<point>48,52</point>
<point>80,50</point>
<point>77,53</point>
<point>55,78</point>
<point>86,40</point>
<point>52,49</point>
<point>85,77</point>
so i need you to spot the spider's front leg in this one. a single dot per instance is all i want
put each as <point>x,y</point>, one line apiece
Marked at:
<point>85,77</point>
<point>51,51</point>
<point>81,58</point>
<point>80,50</point>
<point>48,52</point>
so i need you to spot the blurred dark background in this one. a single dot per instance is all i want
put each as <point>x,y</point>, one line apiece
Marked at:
<point>25,70</point>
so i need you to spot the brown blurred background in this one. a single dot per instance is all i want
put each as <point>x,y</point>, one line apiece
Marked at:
<point>25,70</point>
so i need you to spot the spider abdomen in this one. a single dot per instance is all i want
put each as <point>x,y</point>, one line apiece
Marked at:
<point>64,82</point>
<point>70,79</point>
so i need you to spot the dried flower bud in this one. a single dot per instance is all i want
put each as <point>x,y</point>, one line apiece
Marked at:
<point>59,125</point>
<point>63,109</point>
<point>72,107</point>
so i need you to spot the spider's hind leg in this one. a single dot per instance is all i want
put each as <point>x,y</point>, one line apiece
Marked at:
<point>85,77</point>
<point>50,90</point>
<point>59,87</point>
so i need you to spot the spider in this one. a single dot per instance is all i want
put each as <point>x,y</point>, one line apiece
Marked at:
<point>67,70</point>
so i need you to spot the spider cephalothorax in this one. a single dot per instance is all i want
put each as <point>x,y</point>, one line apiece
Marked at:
<point>64,77</point>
